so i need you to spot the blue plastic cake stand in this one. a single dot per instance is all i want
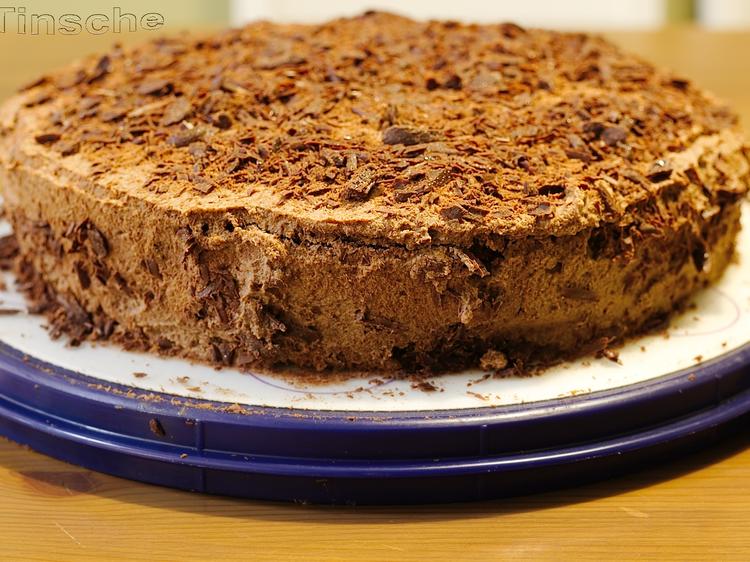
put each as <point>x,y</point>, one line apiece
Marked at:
<point>373,457</point>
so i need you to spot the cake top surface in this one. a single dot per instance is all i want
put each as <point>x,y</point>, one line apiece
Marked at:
<point>377,128</point>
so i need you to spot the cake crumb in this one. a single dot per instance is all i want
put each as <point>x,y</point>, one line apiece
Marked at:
<point>9,311</point>
<point>610,354</point>
<point>140,374</point>
<point>236,409</point>
<point>493,360</point>
<point>156,427</point>
<point>425,386</point>
<point>480,379</point>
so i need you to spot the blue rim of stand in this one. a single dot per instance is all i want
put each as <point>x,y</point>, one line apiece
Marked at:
<point>365,457</point>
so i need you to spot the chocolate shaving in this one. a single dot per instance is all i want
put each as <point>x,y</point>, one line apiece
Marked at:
<point>407,136</point>
<point>67,147</point>
<point>681,84</point>
<point>177,111</point>
<point>272,63</point>
<point>439,178</point>
<point>83,275</point>
<point>38,98</point>
<point>613,135</point>
<point>155,87</point>
<point>113,114</point>
<point>47,138</point>
<point>453,82</point>
<point>101,69</point>
<point>185,137</point>
<point>454,212</point>
<point>70,79</point>
<point>122,283</point>
<point>164,343</point>
<point>634,176</point>
<point>222,121</point>
<point>578,155</point>
<point>78,319</point>
<point>8,252</point>
<point>351,163</point>
<point>358,188</point>
<point>152,267</point>
<point>202,184</point>
<point>198,149</point>
<point>34,83</point>
<point>104,328</point>
<point>541,210</point>
<point>579,294</point>
<point>659,172</point>
<point>98,242</point>
<point>593,129</point>
<point>223,353</point>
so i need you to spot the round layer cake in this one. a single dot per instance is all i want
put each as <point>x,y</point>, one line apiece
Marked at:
<point>371,193</point>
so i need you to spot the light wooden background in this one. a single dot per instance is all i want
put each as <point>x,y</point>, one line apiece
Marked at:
<point>694,508</point>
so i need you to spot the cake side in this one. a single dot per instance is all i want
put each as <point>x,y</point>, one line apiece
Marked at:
<point>205,287</point>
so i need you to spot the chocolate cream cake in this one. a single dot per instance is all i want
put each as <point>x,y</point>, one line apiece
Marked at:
<point>372,193</point>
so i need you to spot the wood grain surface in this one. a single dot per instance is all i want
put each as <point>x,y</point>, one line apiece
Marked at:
<point>692,508</point>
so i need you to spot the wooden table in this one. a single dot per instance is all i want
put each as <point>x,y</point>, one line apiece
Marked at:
<point>696,507</point>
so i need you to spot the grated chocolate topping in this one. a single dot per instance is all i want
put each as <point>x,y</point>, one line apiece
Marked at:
<point>379,128</point>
